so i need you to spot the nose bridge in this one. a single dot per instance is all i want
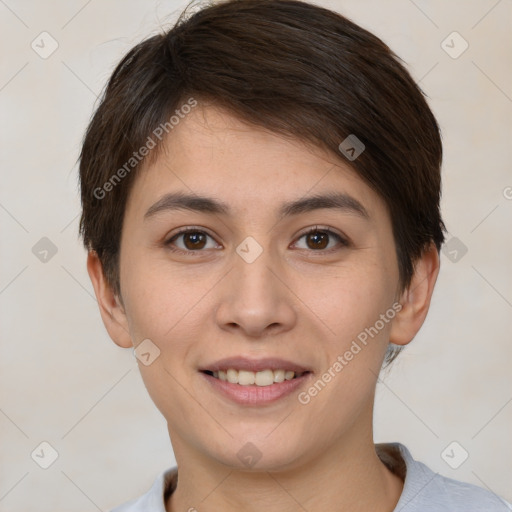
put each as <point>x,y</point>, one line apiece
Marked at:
<point>252,262</point>
<point>254,283</point>
<point>255,277</point>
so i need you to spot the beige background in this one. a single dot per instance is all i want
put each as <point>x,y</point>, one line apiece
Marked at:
<point>64,382</point>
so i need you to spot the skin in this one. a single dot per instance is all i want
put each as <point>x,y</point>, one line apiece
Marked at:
<point>295,301</point>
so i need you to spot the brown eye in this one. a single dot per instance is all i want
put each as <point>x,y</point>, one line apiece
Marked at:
<point>321,240</point>
<point>317,240</point>
<point>194,240</point>
<point>191,240</point>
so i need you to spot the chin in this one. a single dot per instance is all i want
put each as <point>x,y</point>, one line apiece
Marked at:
<point>259,453</point>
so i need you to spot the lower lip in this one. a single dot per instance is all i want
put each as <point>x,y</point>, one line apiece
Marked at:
<point>256,395</point>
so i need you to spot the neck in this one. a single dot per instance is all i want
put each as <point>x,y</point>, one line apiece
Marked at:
<point>347,476</point>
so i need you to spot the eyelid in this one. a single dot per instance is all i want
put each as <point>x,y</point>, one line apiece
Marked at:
<point>188,229</point>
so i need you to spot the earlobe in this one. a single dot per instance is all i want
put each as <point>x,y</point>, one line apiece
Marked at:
<point>415,300</point>
<point>111,310</point>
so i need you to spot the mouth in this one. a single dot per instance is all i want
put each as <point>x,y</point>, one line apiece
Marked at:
<point>262,378</point>
<point>255,382</point>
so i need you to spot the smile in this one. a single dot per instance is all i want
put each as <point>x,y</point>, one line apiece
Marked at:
<point>248,378</point>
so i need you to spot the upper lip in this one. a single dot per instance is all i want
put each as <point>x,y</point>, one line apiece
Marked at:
<point>254,365</point>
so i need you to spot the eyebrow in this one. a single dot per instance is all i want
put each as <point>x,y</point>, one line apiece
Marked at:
<point>203,204</point>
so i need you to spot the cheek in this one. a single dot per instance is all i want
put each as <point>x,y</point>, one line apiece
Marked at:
<point>167,305</point>
<point>155,299</point>
<point>355,312</point>
<point>347,300</point>
<point>164,307</point>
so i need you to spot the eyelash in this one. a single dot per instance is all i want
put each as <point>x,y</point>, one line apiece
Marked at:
<point>316,229</point>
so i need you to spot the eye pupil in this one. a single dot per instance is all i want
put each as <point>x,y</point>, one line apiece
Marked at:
<point>194,240</point>
<point>317,240</point>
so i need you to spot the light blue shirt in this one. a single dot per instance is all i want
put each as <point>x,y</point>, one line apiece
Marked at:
<point>424,490</point>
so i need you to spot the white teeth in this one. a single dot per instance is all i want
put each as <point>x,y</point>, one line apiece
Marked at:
<point>247,378</point>
<point>264,378</point>
<point>232,376</point>
<point>279,375</point>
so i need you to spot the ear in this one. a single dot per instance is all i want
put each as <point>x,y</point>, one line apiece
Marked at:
<point>111,310</point>
<point>415,300</point>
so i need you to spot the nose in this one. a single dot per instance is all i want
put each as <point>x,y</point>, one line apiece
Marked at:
<point>254,299</point>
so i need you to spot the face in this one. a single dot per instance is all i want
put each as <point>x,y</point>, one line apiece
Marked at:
<point>229,252</point>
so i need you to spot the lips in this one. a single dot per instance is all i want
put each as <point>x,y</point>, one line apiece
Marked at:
<point>255,382</point>
<point>258,394</point>
<point>254,365</point>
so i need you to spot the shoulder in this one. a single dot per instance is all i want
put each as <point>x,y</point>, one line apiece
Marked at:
<point>425,490</point>
<point>452,495</point>
<point>154,499</point>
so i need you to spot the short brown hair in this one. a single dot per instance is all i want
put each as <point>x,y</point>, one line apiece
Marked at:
<point>286,65</point>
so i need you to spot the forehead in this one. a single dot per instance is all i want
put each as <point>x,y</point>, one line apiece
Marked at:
<point>212,153</point>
